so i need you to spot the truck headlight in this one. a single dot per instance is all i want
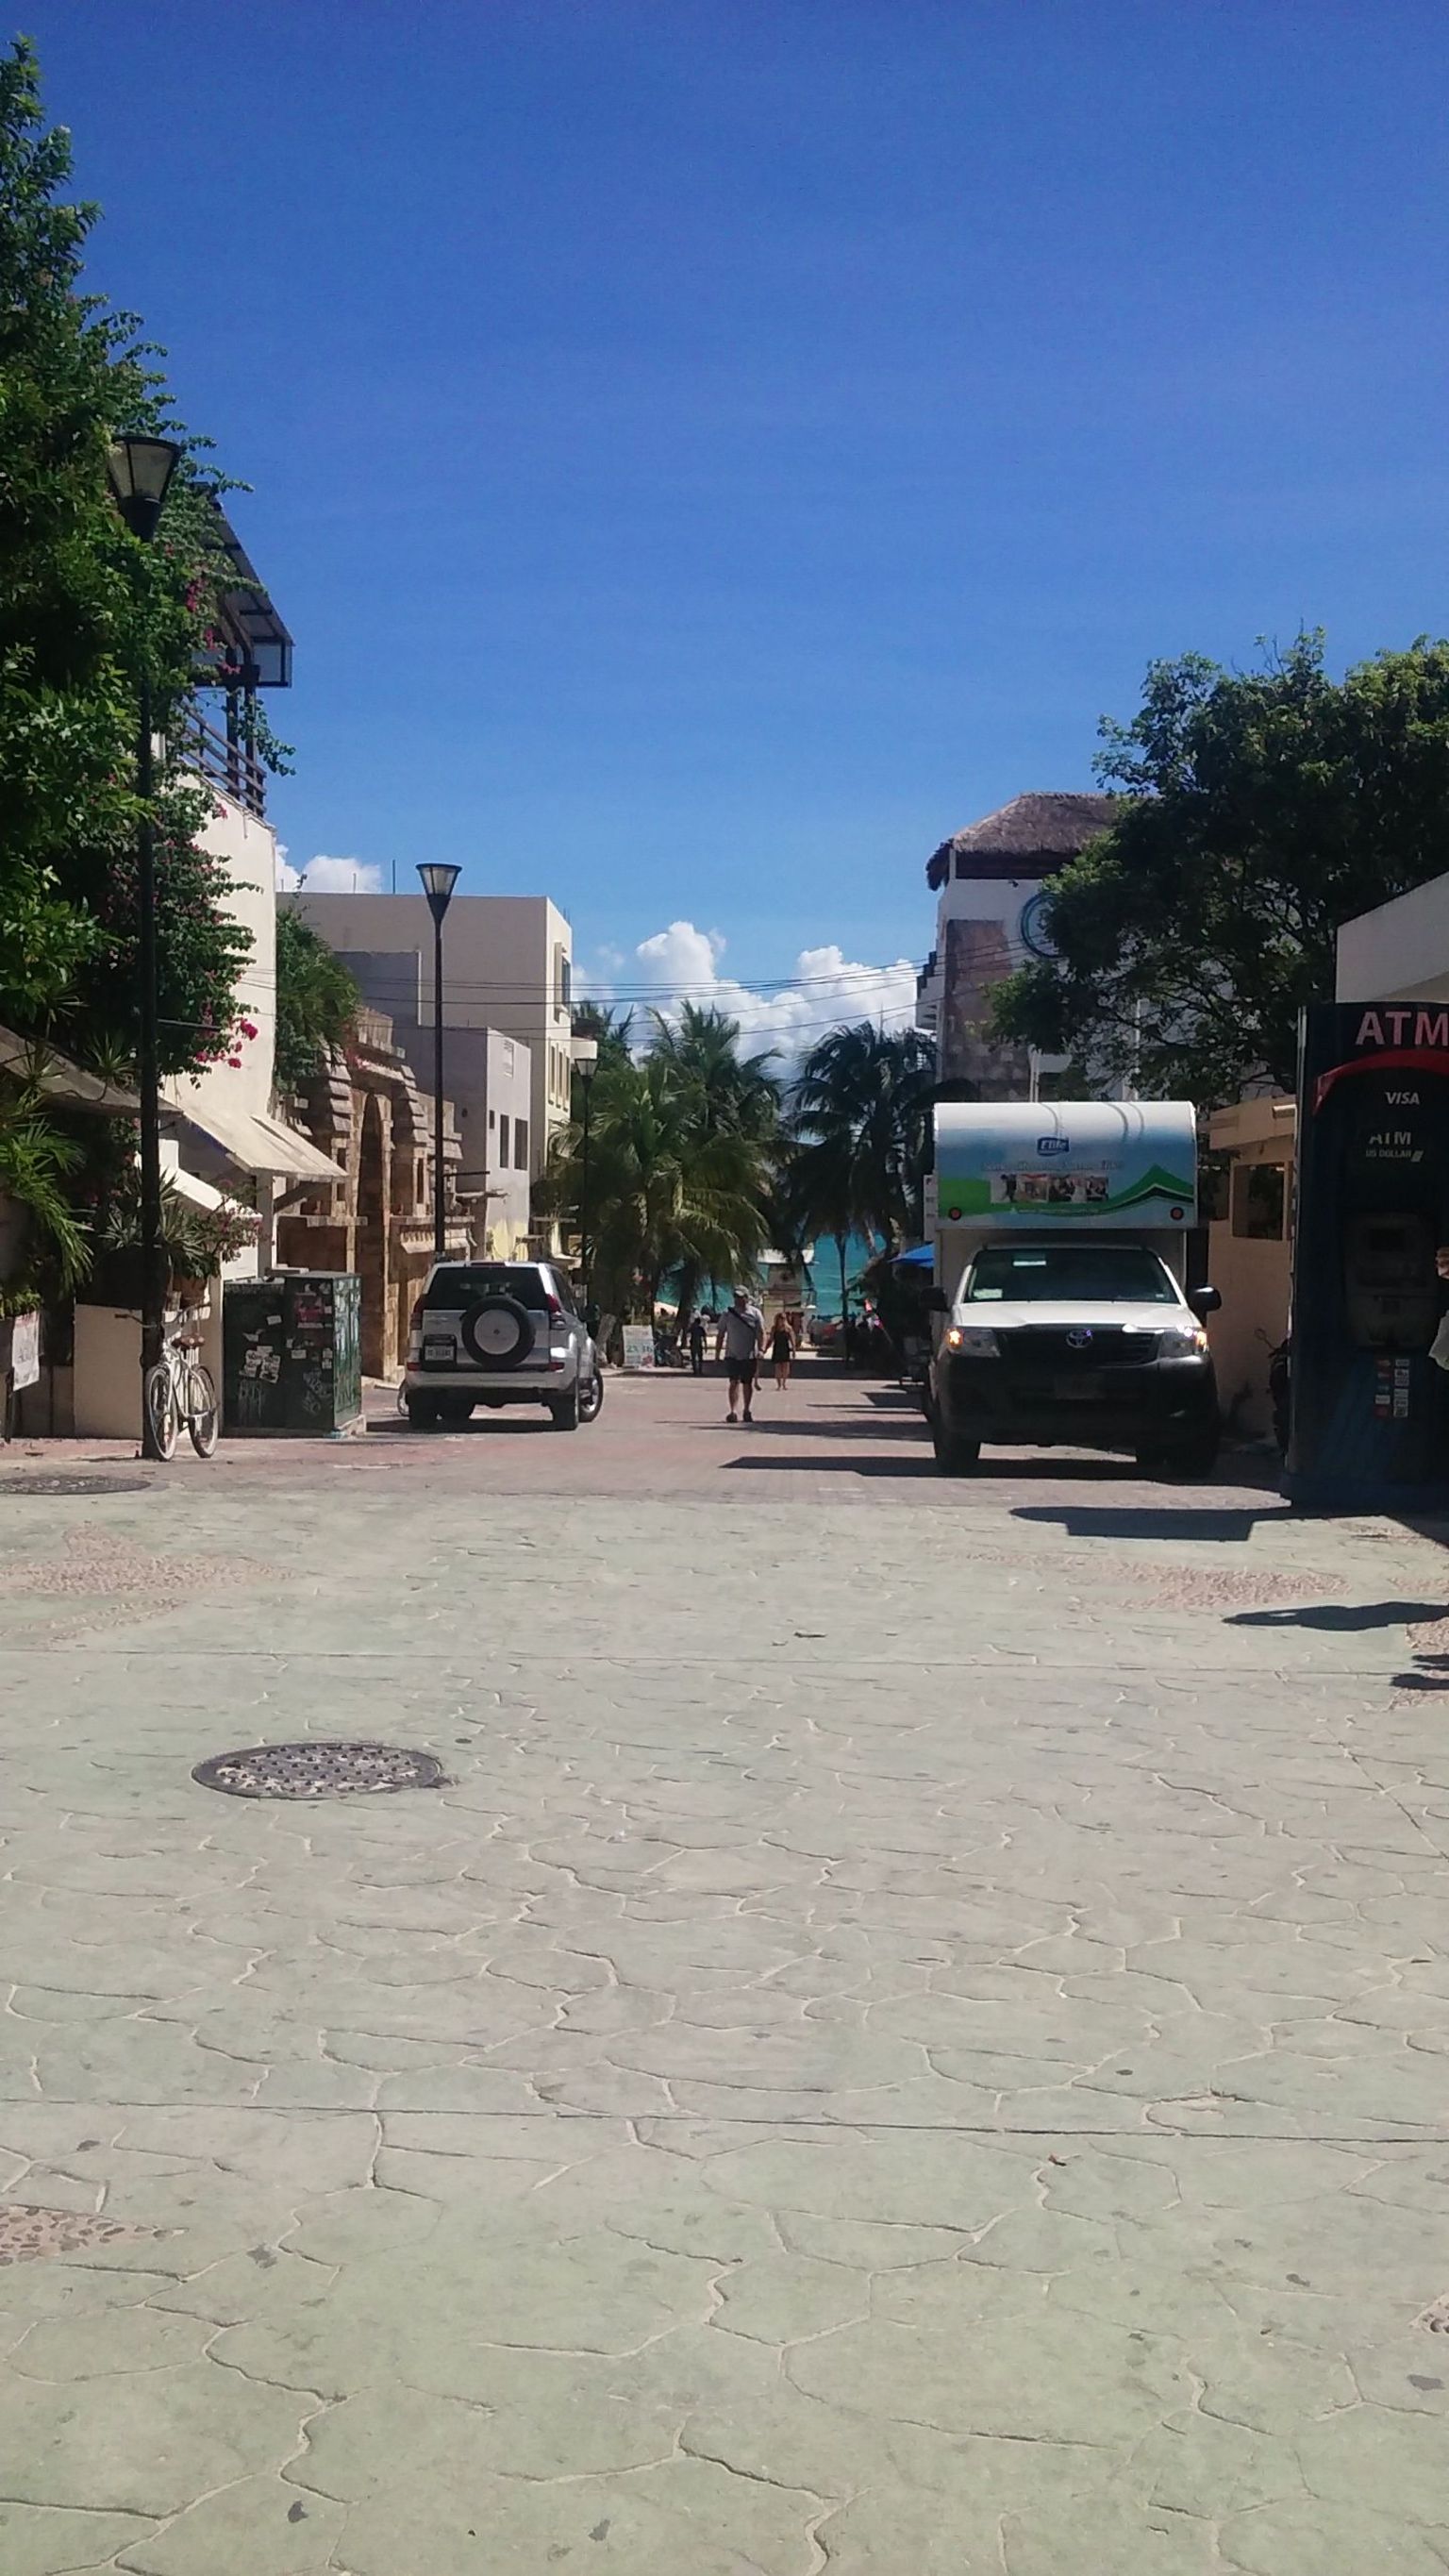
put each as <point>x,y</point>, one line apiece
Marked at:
<point>973,1341</point>
<point>1182,1342</point>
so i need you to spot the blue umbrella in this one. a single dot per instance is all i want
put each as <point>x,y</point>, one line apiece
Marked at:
<point>922,1258</point>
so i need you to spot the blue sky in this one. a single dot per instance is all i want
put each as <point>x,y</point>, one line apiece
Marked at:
<point>706,453</point>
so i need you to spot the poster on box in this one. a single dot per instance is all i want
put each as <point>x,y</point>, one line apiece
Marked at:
<point>638,1347</point>
<point>1017,1163</point>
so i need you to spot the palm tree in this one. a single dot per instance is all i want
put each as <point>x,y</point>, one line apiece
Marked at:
<point>730,1095</point>
<point>614,1029</point>
<point>736,1092</point>
<point>665,1189</point>
<point>680,1164</point>
<point>861,1113</point>
<point>37,1160</point>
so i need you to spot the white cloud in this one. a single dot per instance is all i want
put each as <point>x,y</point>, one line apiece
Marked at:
<point>328,876</point>
<point>684,964</point>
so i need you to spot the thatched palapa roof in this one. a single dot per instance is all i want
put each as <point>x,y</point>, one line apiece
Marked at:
<point>1030,837</point>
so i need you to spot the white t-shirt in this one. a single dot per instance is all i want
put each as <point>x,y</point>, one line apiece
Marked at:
<point>742,1330</point>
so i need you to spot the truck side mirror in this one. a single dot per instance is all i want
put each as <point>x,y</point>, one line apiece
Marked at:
<point>937,1302</point>
<point>1204,1301</point>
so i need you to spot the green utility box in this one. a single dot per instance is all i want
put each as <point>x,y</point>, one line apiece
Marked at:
<point>292,1353</point>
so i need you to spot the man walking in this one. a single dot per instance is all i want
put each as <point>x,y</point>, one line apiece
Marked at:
<point>697,1338</point>
<point>739,1340</point>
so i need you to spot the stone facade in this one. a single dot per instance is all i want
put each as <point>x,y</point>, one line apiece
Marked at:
<point>976,955</point>
<point>367,1113</point>
<point>987,882</point>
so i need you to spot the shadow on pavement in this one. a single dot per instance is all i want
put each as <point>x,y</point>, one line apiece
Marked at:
<point>1148,1520</point>
<point>1343,1615</point>
<point>924,1465</point>
<point>791,1427</point>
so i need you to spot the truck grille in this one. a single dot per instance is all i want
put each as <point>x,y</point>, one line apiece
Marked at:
<point>1051,1348</point>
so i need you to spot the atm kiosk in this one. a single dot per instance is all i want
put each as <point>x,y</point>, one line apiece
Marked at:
<point>1369,1420</point>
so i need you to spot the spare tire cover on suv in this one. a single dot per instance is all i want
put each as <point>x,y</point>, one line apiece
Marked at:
<point>497,1332</point>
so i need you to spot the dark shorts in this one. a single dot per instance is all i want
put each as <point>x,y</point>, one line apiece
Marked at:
<point>743,1372</point>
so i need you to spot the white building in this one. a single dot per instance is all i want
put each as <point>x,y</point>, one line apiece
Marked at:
<point>1400,948</point>
<point>221,1119</point>
<point>507,972</point>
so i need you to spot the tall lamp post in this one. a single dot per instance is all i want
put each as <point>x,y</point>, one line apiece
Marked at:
<point>438,884</point>
<point>140,471</point>
<point>586,1065</point>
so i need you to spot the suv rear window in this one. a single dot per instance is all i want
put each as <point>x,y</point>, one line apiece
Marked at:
<point>463,1283</point>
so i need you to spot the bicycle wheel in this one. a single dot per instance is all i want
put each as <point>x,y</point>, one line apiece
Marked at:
<point>163,1423</point>
<point>203,1415</point>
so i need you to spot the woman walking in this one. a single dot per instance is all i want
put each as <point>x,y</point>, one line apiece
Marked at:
<point>782,1350</point>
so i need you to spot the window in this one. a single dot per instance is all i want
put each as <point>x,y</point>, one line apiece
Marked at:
<point>1093,1272</point>
<point>563,978</point>
<point>1260,1200</point>
<point>456,1287</point>
<point>492,1119</point>
<point>520,1144</point>
<point>1214,1188</point>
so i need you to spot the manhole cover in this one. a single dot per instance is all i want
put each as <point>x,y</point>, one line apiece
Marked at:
<point>27,2234</point>
<point>318,1771</point>
<point>75,1485</point>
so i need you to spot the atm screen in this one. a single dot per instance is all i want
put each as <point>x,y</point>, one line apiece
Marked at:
<point>1390,1282</point>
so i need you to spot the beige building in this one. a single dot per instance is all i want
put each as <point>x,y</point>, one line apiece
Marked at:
<point>370,1120</point>
<point>1247,1189</point>
<point>1396,953</point>
<point>507,976</point>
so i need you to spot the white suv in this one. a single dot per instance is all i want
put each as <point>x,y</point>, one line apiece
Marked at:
<point>496,1333</point>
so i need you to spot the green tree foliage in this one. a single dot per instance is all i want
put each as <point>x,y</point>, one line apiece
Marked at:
<point>861,1121</point>
<point>83,608</point>
<point>37,1164</point>
<point>665,1190</point>
<point>681,1146</point>
<point>317,1002</point>
<point>1260,811</point>
<point>734,1094</point>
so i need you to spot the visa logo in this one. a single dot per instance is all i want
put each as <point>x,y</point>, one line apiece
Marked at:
<point>1053,1145</point>
<point>1403,1099</point>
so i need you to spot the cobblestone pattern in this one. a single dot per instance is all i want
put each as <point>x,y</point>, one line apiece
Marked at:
<point>888,2055</point>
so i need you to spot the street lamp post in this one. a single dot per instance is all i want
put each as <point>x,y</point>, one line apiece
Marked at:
<point>140,471</point>
<point>438,884</point>
<point>586,1065</point>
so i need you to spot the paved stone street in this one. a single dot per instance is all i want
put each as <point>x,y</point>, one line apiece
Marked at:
<point>913,2042</point>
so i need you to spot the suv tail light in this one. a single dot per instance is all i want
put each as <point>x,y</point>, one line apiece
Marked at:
<point>555,1311</point>
<point>415,1319</point>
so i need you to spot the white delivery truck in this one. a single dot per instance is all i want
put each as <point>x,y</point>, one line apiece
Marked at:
<point>1062,1314</point>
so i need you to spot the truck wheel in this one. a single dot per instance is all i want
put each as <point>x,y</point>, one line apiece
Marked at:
<point>954,1456</point>
<point>422,1412</point>
<point>564,1410</point>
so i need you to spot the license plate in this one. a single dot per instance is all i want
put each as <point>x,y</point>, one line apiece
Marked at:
<point>439,1346</point>
<point>1078,1390</point>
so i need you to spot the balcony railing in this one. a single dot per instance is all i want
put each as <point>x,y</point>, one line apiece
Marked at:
<point>225,761</point>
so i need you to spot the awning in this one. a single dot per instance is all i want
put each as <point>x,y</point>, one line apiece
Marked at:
<point>30,1060</point>
<point>254,1141</point>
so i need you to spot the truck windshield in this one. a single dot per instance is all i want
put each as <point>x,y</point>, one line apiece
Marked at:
<point>1091,1273</point>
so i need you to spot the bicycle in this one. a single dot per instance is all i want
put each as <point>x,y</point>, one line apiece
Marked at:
<point>181,1389</point>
